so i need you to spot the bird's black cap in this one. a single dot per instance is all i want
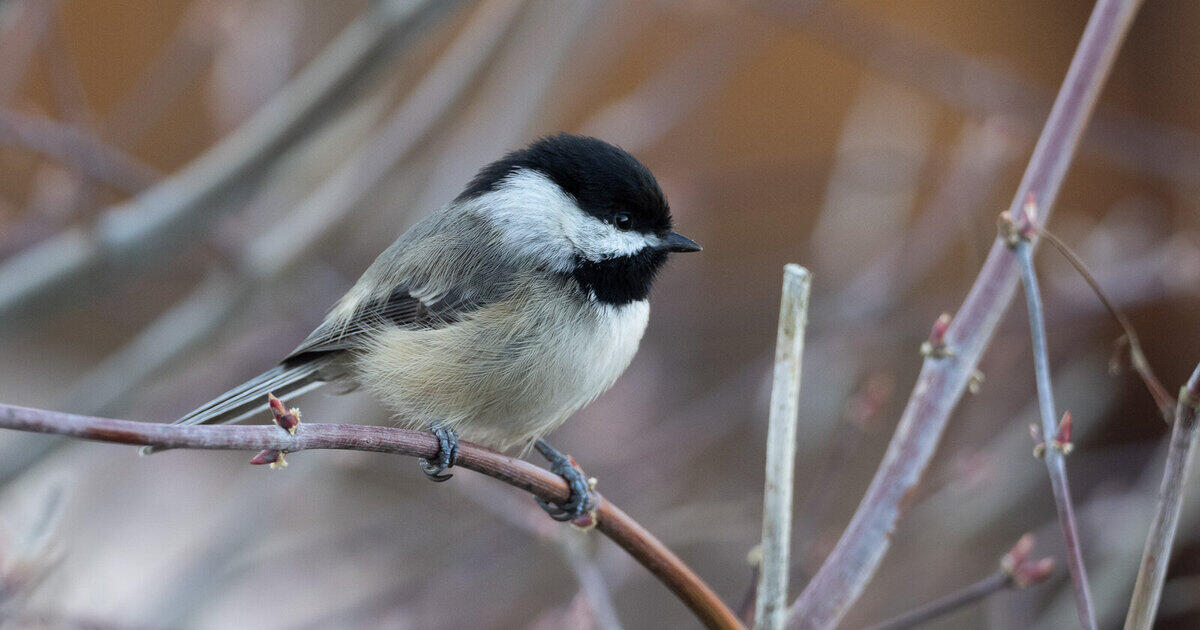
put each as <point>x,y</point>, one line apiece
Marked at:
<point>604,179</point>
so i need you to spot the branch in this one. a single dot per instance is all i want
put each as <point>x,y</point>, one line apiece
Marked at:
<point>167,216</point>
<point>771,603</point>
<point>1016,571</point>
<point>943,379</point>
<point>614,523</point>
<point>1136,356</point>
<point>1054,452</point>
<point>951,602</point>
<point>1157,552</point>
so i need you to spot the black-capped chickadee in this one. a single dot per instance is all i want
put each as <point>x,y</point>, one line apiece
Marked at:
<point>502,313</point>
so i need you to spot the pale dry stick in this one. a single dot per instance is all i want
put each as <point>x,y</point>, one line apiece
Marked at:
<point>611,521</point>
<point>159,221</point>
<point>222,295</point>
<point>770,607</point>
<point>76,149</point>
<point>1157,553</point>
<point>943,379</point>
<point>1054,451</point>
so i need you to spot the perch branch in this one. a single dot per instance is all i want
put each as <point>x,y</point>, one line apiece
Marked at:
<point>1157,552</point>
<point>942,381</point>
<point>771,603</point>
<point>614,523</point>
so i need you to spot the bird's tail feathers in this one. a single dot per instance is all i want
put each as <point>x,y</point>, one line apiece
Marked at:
<point>250,397</point>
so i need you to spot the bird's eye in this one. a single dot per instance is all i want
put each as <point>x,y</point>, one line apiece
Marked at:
<point>621,220</point>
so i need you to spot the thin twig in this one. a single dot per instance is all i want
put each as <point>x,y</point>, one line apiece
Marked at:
<point>770,607</point>
<point>1055,459</point>
<point>1166,404</point>
<point>167,216</point>
<point>1016,570</point>
<point>965,596</point>
<point>1157,552</point>
<point>613,522</point>
<point>943,380</point>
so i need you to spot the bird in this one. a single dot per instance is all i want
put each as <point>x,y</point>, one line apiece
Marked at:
<point>499,315</point>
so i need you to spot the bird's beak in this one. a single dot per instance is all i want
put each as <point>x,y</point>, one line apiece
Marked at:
<point>680,243</point>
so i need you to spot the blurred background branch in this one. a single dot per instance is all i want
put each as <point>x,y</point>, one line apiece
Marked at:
<point>163,218</point>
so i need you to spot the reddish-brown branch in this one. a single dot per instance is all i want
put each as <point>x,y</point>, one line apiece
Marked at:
<point>614,523</point>
<point>943,379</point>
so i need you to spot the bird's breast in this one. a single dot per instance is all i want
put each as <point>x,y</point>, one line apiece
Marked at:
<point>510,372</point>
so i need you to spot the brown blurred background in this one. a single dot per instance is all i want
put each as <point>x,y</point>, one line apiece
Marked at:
<point>874,143</point>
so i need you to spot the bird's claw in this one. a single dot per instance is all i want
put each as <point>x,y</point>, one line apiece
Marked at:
<point>447,454</point>
<point>580,501</point>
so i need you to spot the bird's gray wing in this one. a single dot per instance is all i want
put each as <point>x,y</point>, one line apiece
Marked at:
<point>409,305</point>
<point>434,275</point>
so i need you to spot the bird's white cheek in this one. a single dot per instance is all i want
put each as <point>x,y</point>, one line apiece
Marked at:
<point>601,241</point>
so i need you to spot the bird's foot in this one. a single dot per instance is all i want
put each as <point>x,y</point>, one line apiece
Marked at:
<point>447,454</point>
<point>580,502</point>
